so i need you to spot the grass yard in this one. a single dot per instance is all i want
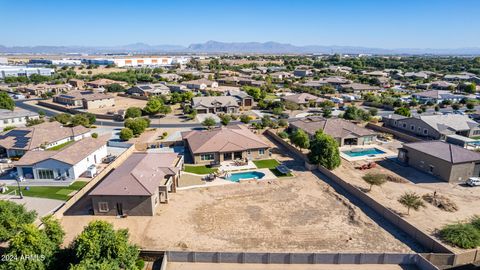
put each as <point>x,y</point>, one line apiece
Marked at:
<point>57,193</point>
<point>270,164</point>
<point>199,169</point>
<point>60,146</point>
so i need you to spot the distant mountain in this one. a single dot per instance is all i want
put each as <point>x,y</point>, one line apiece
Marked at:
<point>234,47</point>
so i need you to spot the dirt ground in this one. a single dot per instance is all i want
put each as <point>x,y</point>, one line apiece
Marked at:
<point>288,215</point>
<point>428,218</point>
<point>121,103</point>
<point>247,266</point>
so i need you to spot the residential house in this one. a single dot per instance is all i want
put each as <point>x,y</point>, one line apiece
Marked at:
<point>85,99</point>
<point>76,83</point>
<point>436,96</point>
<point>448,162</point>
<point>16,118</point>
<point>235,142</point>
<point>200,84</point>
<point>359,87</point>
<point>169,77</point>
<point>462,77</point>
<point>180,88</point>
<point>245,101</point>
<point>103,83</point>
<point>343,131</point>
<point>43,88</point>
<point>16,142</point>
<point>434,126</point>
<point>149,90</point>
<point>376,73</point>
<point>304,99</point>
<point>416,75</point>
<point>215,104</point>
<point>302,72</point>
<point>67,163</point>
<point>138,185</point>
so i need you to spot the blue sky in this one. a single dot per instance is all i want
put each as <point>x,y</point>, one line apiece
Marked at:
<point>370,23</point>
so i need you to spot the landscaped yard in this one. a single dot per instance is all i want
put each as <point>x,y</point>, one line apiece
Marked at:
<point>272,165</point>
<point>199,169</point>
<point>57,193</point>
<point>60,146</point>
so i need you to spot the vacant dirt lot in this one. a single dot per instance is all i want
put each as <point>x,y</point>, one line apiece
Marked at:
<point>121,103</point>
<point>428,218</point>
<point>301,214</point>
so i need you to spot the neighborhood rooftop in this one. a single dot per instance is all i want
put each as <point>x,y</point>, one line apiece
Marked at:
<point>445,151</point>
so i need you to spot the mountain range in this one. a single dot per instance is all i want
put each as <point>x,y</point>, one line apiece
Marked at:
<point>233,47</point>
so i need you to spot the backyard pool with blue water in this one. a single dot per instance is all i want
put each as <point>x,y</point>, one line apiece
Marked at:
<point>363,152</point>
<point>235,177</point>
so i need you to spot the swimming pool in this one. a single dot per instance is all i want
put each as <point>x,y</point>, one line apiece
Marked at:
<point>235,177</point>
<point>360,152</point>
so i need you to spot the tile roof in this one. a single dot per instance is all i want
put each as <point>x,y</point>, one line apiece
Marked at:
<point>28,138</point>
<point>224,139</point>
<point>140,175</point>
<point>445,151</point>
<point>335,127</point>
<point>214,101</point>
<point>302,98</point>
<point>87,95</point>
<point>70,154</point>
<point>456,122</point>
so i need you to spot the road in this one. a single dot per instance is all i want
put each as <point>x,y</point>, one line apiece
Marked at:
<point>102,122</point>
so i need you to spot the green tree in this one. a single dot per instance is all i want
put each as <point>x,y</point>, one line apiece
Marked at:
<point>470,105</point>
<point>126,134</point>
<point>324,151</point>
<point>53,230</point>
<point>6,102</point>
<point>12,217</point>
<point>411,200</point>
<point>100,244</point>
<point>133,112</point>
<point>41,113</point>
<point>137,125</point>
<point>374,179</point>
<point>209,122</point>
<point>91,118</point>
<point>63,118</point>
<point>436,108</point>
<point>153,106</point>
<point>300,139</point>
<point>373,111</point>
<point>33,242</point>
<point>327,112</point>
<point>266,121</point>
<point>245,118</point>
<point>403,111</point>
<point>80,120</point>
<point>471,88</point>
<point>455,106</point>
<point>225,119</point>
<point>282,123</point>
<point>115,87</point>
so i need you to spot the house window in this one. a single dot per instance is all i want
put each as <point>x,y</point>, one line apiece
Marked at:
<point>476,132</point>
<point>430,169</point>
<point>261,152</point>
<point>425,131</point>
<point>45,174</point>
<point>249,152</point>
<point>207,157</point>
<point>412,127</point>
<point>404,125</point>
<point>103,207</point>
<point>419,129</point>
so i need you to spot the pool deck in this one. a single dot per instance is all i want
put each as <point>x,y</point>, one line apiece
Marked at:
<point>387,154</point>
<point>218,181</point>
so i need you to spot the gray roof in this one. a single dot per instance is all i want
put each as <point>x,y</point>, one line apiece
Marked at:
<point>445,151</point>
<point>7,114</point>
<point>140,175</point>
<point>456,122</point>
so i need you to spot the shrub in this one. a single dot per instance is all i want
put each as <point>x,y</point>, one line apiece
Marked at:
<point>283,135</point>
<point>7,128</point>
<point>94,135</point>
<point>126,134</point>
<point>461,235</point>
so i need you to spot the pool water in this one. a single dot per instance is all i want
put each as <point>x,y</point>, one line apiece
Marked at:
<point>363,152</point>
<point>235,177</point>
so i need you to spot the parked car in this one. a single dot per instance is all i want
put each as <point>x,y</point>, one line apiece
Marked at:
<point>108,159</point>
<point>5,160</point>
<point>473,181</point>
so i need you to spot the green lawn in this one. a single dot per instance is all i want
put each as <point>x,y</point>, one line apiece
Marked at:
<point>271,96</point>
<point>266,163</point>
<point>60,146</point>
<point>476,138</point>
<point>57,193</point>
<point>199,169</point>
<point>270,164</point>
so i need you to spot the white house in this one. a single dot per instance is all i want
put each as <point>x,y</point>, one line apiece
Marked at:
<point>67,164</point>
